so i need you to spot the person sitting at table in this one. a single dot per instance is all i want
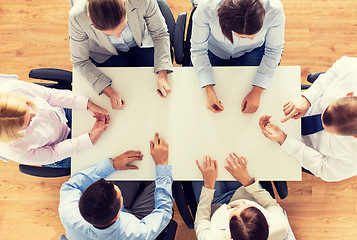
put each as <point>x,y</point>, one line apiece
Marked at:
<point>35,124</point>
<point>329,126</point>
<point>250,214</point>
<point>119,33</point>
<point>93,208</point>
<point>237,33</point>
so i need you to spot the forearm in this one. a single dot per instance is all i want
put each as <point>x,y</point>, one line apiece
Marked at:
<point>202,219</point>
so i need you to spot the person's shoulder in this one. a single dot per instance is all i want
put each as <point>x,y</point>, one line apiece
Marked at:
<point>79,8</point>
<point>12,85</point>
<point>273,5</point>
<point>345,63</point>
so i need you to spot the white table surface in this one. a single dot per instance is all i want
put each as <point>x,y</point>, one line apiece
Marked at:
<point>191,130</point>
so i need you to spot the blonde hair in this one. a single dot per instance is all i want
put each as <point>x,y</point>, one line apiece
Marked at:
<point>12,112</point>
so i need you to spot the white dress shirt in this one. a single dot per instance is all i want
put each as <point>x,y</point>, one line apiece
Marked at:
<point>328,156</point>
<point>45,139</point>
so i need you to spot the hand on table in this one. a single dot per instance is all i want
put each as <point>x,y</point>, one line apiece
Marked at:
<point>162,84</point>
<point>295,108</point>
<point>271,131</point>
<point>99,126</point>
<point>159,150</point>
<point>115,99</point>
<point>238,169</point>
<point>213,103</point>
<point>122,162</point>
<point>98,111</point>
<point>251,102</point>
<point>209,171</point>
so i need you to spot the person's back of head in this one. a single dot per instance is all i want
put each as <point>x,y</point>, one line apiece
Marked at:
<point>249,225</point>
<point>100,203</point>
<point>342,116</point>
<point>12,113</point>
<point>106,14</point>
<point>243,17</point>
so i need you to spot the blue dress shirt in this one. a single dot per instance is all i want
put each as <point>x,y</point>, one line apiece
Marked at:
<point>127,226</point>
<point>207,35</point>
<point>126,40</point>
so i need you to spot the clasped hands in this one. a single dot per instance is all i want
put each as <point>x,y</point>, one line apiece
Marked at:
<point>237,167</point>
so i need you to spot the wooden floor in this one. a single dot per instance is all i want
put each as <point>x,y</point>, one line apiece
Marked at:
<point>33,33</point>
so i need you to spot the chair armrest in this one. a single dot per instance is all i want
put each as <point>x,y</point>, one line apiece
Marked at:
<point>169,18</point>
<point>282,188</point>
<point>46,172</point>
<point>304,87</point>
<point>181,204</point>
<point>52,74</point>
<point>179,37</point>
<point>313,76</point>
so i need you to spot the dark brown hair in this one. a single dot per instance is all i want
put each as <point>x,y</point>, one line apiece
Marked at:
<point>244,17</point>
<point>342,114</point>
<point>251,224</point>
<point>106,14</point>
<point>99,204</point>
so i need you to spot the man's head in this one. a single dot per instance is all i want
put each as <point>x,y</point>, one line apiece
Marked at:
<point>108,16</point>
<point>340,117</point>
<point>248,222</point>
<point>243,17</point>
<point>100,203</point>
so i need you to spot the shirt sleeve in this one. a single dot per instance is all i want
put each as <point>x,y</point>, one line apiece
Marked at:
<point>199,48</point>
<point>318,88</point>
<point>158,219</point>
<point>327,168</point>
<point>274,43</point>
<point>50,154</point>
<point>55,97</point>
<point>72,190</point>
<point>203,214</point>
<point>79,49</point>
<point>158,31</point>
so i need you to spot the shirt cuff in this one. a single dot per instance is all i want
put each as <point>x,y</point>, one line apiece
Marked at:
<point>82,102</point>
<point>109,84</point>
<point>289,146</point>
<point>310,95</point>
<point>206,78</point>
<point>253,187</point>
<point>261,80</point>
<point>106,167</point>
<point>163,171</point>
<point>83,142</point>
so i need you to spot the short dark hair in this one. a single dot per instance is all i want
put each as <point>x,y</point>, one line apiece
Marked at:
<point>106,14</point>
<point>251,224</point>
<point>342,114</point>
<point>99,204</point>
<point>241,16</point>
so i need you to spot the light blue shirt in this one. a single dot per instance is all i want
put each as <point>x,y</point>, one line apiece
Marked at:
<point>126,40</point>
<point>207,35</point>
<point>127,226</point>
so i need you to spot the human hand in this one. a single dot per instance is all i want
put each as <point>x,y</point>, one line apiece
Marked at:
<point>213,103</point>
<point>209,171</point>
<point>295,108</point>
<point>99,126</point>
<point>122,161</point>
<point>98,111</point>
<point>159,150</point>
<point>162,84</point>
<point>238,169</point>
<point>115,99</point>
<point>271,131</point>
<point>250,103</point>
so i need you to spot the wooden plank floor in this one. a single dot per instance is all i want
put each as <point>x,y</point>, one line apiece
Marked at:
<point>34,33</point>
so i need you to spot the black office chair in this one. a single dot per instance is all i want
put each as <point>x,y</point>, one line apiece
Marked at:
<point>60,79</point>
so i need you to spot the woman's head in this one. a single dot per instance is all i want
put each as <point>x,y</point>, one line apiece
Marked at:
<point>16,113</point>
<point>107,15</point>
<point>243,17</point>
<point>248,222</point>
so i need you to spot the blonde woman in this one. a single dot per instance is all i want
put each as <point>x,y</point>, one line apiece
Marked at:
<point>35,124</point>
